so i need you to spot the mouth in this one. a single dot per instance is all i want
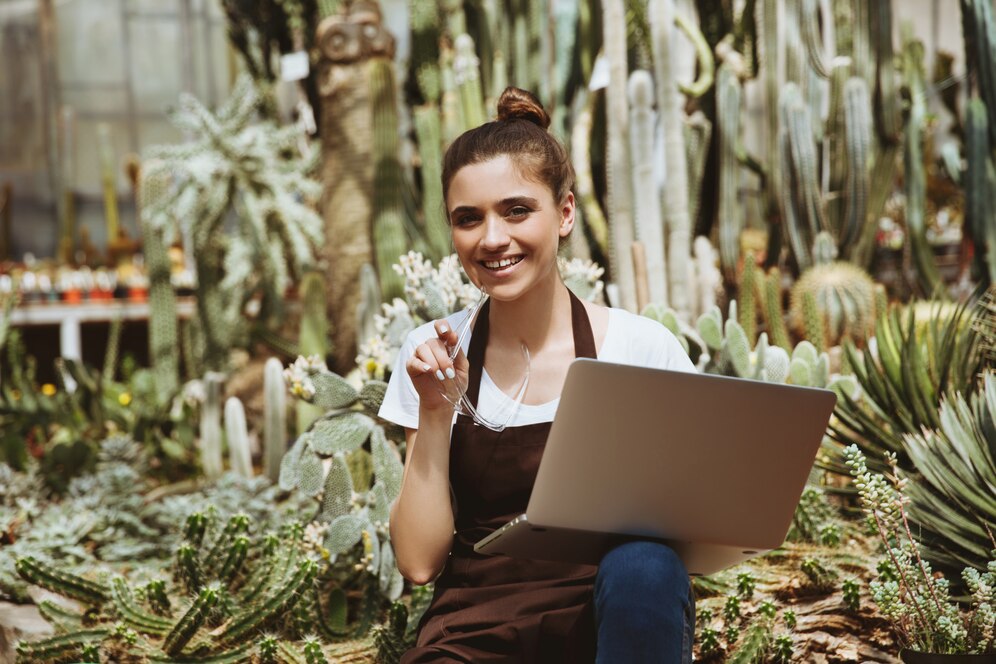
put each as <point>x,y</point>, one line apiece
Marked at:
<point>503,264</point>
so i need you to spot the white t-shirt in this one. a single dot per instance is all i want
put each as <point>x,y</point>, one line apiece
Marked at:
<point>629,339</point>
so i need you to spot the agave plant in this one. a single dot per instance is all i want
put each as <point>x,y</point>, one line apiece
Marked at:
<point>906,371</point>
<point>954,498</point>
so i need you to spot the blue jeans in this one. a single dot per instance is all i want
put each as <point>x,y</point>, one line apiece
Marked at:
<point>644,608</point>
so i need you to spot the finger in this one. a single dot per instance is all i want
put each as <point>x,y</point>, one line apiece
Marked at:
<point>441,356</point>
<point>421,363</point>
<point>446,333</point>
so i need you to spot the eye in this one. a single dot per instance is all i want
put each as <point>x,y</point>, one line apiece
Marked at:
<point>519,211</point>
<point>465,220</point>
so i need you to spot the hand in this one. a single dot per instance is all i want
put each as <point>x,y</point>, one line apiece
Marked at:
<point>432,370</point>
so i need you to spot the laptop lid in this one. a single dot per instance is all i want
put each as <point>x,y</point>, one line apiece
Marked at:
<point>678,456</point>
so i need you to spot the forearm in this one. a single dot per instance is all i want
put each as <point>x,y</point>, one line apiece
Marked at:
<point>422,517</point>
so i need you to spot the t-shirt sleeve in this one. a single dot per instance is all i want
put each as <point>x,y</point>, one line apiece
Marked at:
<point>400,403</point>
<point>672,355</point>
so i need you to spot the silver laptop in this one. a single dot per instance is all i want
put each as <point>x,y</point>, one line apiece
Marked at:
<point>712,466</point>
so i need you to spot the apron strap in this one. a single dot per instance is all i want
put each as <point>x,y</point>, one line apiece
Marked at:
<point>584,342</point>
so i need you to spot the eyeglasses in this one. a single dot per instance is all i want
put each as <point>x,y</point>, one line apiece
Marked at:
<point>454,390</point>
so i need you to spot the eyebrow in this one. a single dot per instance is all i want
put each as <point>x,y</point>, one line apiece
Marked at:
<point>505,202</point>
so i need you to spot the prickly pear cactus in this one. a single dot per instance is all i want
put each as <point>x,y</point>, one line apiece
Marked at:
<point>333,460</point>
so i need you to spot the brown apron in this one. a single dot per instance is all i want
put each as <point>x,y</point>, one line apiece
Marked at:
<point>497,608</point>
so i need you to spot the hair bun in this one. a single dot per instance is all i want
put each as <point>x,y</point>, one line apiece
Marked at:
<point>519,104</point>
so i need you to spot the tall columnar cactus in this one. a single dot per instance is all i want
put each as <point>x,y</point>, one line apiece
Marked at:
<point>428,129</point>
<point>858,130</point>
<point>649,225</point>
<point>593,216</point>
<point>728,101</point>
<point>466,70</point>
<point>237,437</point>
<point>108,182</point>
<point>697,131</point>
<point>677,219</point>
<point>619,199</point>
<point>163,336</point>
<point>772,311</point>
<point>210,433</point>
<point>389,235</point>
<point>747,296</point>
<point>274,418</point>
<point>979,30</point>
<point>801,204</point>
<point>980,188</point>
<point>914,172</point>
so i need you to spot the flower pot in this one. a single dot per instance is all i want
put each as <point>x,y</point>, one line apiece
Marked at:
<point>913,657</point>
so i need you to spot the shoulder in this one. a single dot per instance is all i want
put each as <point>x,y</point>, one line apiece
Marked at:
<point>635,339</point>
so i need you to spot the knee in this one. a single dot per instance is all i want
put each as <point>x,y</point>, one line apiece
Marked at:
<point>647,569</point>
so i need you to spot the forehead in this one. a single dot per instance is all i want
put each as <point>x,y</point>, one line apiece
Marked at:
<point>493,180</point>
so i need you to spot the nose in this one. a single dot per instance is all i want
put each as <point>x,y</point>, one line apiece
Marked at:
<point>495,233</point>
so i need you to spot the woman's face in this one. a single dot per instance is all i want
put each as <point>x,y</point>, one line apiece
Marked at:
<point>506,228</point>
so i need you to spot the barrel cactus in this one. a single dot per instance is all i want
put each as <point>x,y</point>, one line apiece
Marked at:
<point>844,295</point>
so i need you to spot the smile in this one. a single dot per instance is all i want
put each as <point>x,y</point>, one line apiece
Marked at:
<point>503,263</point>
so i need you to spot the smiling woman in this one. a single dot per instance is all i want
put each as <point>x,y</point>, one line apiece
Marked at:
<point>507,187</point>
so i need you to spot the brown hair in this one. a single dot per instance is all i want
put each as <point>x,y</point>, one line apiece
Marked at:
<point>520,131</point>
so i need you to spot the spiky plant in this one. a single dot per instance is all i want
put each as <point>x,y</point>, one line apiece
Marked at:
<point>903,381</point>
<point>252,173</point>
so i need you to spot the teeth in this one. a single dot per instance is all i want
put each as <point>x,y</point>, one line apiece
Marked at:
<point>505,262</point>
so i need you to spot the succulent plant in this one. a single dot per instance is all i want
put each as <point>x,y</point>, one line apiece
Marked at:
<point>844,296</point>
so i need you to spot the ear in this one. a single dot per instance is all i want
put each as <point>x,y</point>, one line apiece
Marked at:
<point>567,210</point>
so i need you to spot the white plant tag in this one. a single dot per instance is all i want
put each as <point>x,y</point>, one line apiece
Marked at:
<point>599,74</point>
<point>294,66</point>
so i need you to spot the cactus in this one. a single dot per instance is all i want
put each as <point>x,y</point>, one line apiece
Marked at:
<point>466,72</point>
<point>842,294</point>
<point>389,235</point>
<point>619,197</point>
<point>731,352</point>
<point>210,440</point>
<point>64,583</point>
<point>809,366</point>
<point>274,418</point>
<point>588,203</point>
<point>190,622</point>
<point>65,647</point>
<point>915,177</point>
<point>774,318</point>
<point>428,129</point>
<point>857,124</point>
<point>801,204</point>
<point>132,615</point>
<point>697,131</point>
<point>237,436</point>
<point>163,338</point>
<point>979,30</point>
<point>980,199</point>
<point>647,210</point>
<point>728,102</point>
<point>747,296</point>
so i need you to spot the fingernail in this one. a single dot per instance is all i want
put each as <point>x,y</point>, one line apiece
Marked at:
<point>443,329</point>
<point>439,374</point>
<point>450,373</point>
<point>425,367</point>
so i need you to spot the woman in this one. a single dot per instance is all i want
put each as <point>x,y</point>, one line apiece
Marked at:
<point>507,187</point>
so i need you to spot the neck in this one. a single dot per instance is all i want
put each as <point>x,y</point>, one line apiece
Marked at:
<point>537,318</point>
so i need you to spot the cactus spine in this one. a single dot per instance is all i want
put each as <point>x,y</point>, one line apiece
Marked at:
<point>274,418</point>
<point>649,228</point>
<point>191,621</point>
<point>237,435</point>
<point>132,615</point>
<point>64,583</point>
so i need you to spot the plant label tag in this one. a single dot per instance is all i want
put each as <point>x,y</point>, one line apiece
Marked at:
<point>599,74</point>
<point>294,66</point>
